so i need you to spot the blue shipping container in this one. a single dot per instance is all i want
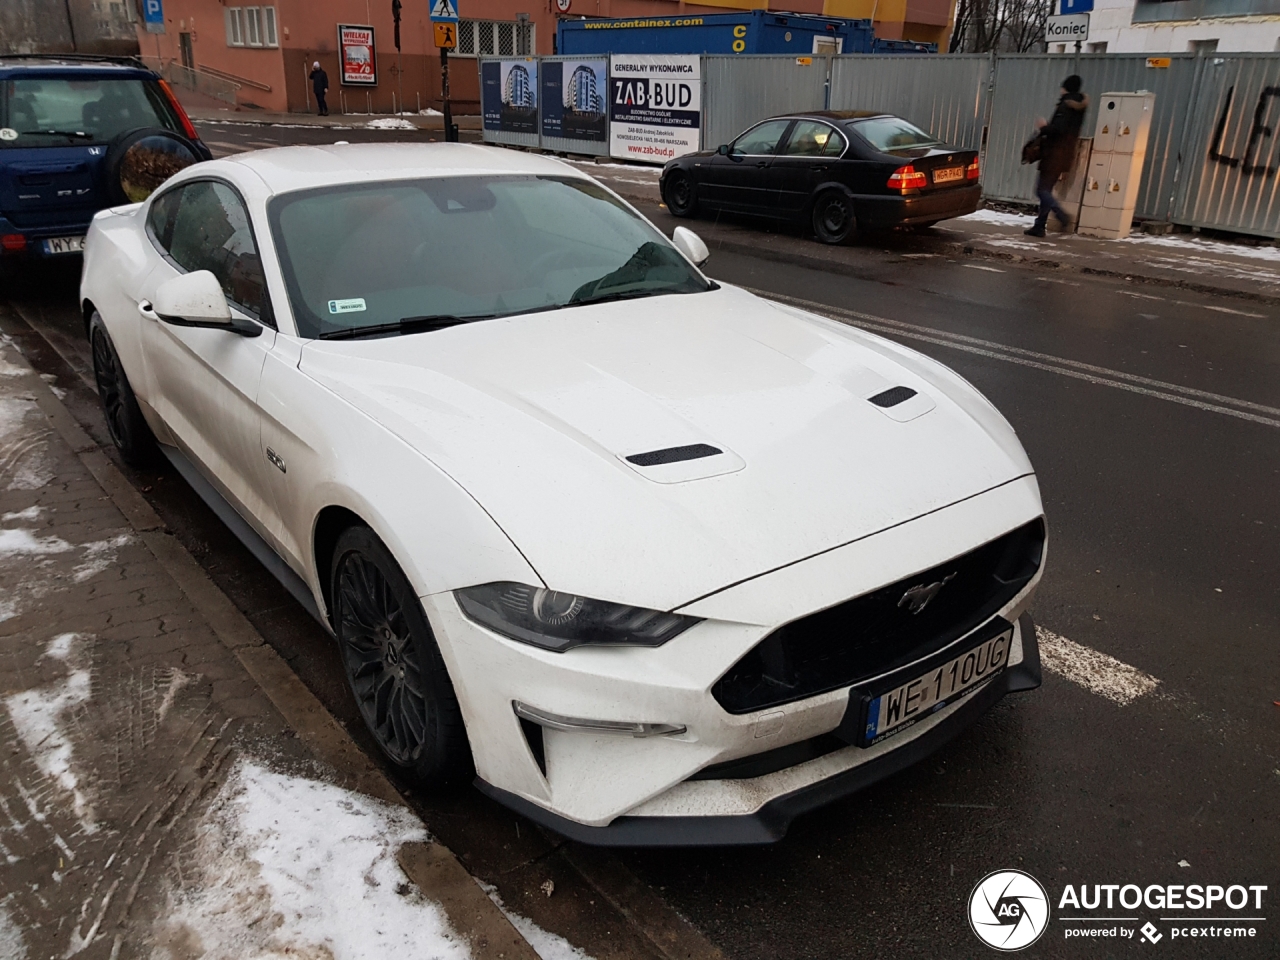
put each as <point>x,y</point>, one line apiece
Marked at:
<point>751,31</point>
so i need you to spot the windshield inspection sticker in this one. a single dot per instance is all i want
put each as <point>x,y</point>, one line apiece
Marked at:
<point>8,133</point>
<point>353,305</point>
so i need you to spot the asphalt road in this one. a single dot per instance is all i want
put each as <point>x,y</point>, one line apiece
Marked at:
<point>1153,420</point>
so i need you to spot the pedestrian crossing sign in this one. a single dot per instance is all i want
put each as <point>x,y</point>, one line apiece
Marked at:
<point>444,11</point>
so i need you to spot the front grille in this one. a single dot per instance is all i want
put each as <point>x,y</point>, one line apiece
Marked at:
<point>872,634</point>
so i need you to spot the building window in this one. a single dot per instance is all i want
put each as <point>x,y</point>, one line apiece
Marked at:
<point>1202,46</point>
<point>1098,47</point>
<point>235,26</point>
<point>489,38</point>
<point>251,26</point>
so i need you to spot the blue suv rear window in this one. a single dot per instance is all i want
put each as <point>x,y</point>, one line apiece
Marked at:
<point>53,111</point>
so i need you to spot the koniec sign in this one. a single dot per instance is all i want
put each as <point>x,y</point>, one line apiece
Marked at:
<point>655,106</point>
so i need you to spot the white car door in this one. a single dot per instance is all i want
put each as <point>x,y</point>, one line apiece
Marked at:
<point>203,383</point>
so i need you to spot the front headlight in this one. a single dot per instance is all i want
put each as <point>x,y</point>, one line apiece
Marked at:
<point>558,621</point>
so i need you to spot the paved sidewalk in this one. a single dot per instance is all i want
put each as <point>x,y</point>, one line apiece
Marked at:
<point>338,121</point>
<point>168,788</point>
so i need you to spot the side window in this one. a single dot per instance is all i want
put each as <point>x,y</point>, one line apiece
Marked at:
<point>211,232</point>
<point>761,140</point>
<point>160,218</point>
<point>809,138</point>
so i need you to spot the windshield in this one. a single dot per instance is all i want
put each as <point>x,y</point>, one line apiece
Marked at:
<point>469,248</point>
<point>41,111</point>
<point>891,134</point>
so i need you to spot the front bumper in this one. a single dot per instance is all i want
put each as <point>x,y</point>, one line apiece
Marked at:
<point>862,767</point>
<point>882,212</point>
<point>584,784</point>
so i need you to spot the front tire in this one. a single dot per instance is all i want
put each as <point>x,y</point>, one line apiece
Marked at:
<point>392,662</point>
<point>129,431</point>
<point>680,194</point>
<point>833,218</point>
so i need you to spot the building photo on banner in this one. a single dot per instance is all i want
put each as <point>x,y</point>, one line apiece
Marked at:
<point>655,106</point>
<point>573,99</point>
<point>509,95</point>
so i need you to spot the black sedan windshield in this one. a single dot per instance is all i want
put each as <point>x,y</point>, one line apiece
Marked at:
<point>463,248</point>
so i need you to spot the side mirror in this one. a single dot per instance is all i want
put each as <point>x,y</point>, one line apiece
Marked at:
<point>723,149</point>
<point>691,245</point>
<point>196,300</point>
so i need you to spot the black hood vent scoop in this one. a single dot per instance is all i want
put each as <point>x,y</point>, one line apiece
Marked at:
<point>694,451</point>
<point>892,397</point>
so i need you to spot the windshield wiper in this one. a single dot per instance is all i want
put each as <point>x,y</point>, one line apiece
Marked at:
<point>405,325</point>
<point>626,295</point>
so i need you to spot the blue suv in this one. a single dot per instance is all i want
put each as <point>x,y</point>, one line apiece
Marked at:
<point>77,135</point>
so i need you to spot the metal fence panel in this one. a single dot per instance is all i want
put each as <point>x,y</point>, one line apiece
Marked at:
<point>945,95</point>
<point>1231,178</point>
<point>1027,88</point>
<point>740,91</point>
<point>600,93</point>
<point>507,136</point>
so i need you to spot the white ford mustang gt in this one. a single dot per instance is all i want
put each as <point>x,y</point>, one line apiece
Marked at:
<point>666,562</point>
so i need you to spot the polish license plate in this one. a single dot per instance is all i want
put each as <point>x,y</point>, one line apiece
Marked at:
<point>57,245</point>
<point>894,710</point>
<point>948,174</point>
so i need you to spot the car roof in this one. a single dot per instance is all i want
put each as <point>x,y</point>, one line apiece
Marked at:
<point>73,65</point>
<point>284,169</point>
<point>843,114</point>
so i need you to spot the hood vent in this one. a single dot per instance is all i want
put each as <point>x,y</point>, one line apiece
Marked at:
<point>892,397</point>
<point>694,451</point>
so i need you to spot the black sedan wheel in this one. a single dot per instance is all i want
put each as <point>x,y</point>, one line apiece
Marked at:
<point>129,431</point>
<point>680,194</point>
<point>833,220</point>
<point>392,661</point>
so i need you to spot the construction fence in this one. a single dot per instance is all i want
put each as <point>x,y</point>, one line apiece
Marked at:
<point>1212,156</point>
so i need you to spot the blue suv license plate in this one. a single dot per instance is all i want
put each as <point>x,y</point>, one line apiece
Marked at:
<point>58,245</point>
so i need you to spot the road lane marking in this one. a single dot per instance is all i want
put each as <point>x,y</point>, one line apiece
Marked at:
<point>976,266</point>
<point>1076,369</point>
<point>1096,672</point>
<point>1238,313</point>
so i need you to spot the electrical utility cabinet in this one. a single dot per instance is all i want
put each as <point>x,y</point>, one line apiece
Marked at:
<point>1115,165</point>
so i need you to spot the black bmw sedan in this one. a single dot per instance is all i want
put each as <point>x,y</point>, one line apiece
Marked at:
<point>839,171</point>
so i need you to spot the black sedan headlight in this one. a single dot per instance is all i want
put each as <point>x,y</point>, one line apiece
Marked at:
<point>558,621</point>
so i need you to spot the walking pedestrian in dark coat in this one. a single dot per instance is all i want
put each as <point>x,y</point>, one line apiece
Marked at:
<point>320,84</point>
<point>1058,151</point>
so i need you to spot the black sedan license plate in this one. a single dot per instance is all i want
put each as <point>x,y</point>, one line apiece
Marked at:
<point>896,709</point>
<point>948,174</point>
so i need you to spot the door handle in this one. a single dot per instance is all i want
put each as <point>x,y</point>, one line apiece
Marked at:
<point>762,163</point>
<point>145,308</point>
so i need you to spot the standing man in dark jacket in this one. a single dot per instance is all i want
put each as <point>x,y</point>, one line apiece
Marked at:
<point>320,84</point>
<point>1058,151</point>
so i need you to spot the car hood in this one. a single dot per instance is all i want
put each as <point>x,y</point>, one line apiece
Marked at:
<point>535,416</point>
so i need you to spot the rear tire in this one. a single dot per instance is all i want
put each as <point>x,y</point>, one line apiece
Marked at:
<point>833,218</point>
<point>393,664</point>
<point>680,194</point>
<point>129,431</point>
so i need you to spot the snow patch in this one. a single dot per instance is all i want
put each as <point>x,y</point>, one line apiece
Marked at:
<point>1095,671</point>
<point>294,867</point>
<point>99,555</point>
<point>14,542</point>
<point>1190,244</point>
<point>547,945</point>
<point>999,218</point>
<point>8,369</point>
<point>12,946</point>
<point>389,123</point>
<point>38,718</point>
<point>429,112</point>
<point>31,513</point>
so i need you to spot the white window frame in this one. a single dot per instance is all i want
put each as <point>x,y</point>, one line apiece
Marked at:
<point>270,31</point>
<point>519,35</point>
<point>234,17</point>
<point>253,26</point>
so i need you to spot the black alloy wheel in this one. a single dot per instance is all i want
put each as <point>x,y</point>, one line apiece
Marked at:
<point>129,431</point>
<point>392,662</point>
<point>680,195</point>
<point>833,219</point>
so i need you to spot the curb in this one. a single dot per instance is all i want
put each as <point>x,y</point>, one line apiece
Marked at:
<point>431,866</point>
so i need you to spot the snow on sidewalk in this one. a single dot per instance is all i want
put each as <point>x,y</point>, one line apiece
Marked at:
<point>289,866</point>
